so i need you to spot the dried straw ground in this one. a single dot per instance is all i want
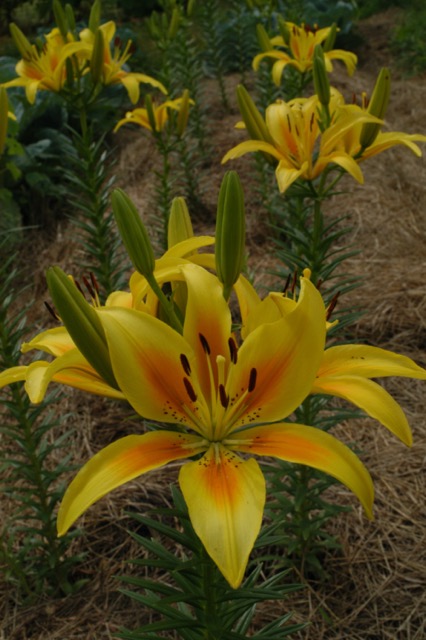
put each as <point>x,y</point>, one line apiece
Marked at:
<point>376,588</point>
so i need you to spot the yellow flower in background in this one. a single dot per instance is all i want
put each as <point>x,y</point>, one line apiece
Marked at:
<point>46,69</point>
<point>154,117</point>
<point>114,60</point>
<point>299,52</point>
<point>224,398</point>
<point>297,142</point>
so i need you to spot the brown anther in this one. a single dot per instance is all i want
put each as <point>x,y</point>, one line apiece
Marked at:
<point>233,350</point>
<point>204,343</point>
<point>185,364</point>
<point>311,122</point>
<point>94,281</point>
<point>288,123</point>
<point>332,305</point>
<point>190,390</point>
<point>354,99</point>
<point>89,287</point>
<point>294,282</point>
<point>79,287</point>
<point>319,283</point>
<point>117,42</point>
<point>287,284</point>
<point>224,398</point>
<point>252,380</point>
<point>52,311</point>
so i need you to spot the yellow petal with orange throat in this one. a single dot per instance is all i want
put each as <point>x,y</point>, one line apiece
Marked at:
<point>312,447</point>
<point>117,464</point>
<point>225,496</point>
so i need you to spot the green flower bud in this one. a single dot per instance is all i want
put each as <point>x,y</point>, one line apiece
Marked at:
<point>174,24</point>
<point>179,226</point>
<point>183,114</point>
<point>321,81</point>
<point>263,38</point>
<point>4,117</point>
<point>22,44</point>
<point>69,12</point>
<point>95,16</point>
<point>255,124</point>
<point>97,59</point>
<point>230,232</point>
<point>82,323</point>
<point>377,107</point>
<point>190,7</point>
<point>328,43</point>
<point>285,33</point>
<point>133,233</point>
<point>60,18</point>
<point>150,113</point>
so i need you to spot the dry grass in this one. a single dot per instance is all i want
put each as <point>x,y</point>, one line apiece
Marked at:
<point>376,589</point>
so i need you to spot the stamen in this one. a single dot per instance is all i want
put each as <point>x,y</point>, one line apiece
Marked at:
<point>293,284</point>
<point>332,305</point>
<point>311,123</point>
<point>52,311</point>
<point>94,282</point>
<point>252,380</point>
<point>287,284</point>
<point>233,350</point>
<point>79,287</point>
<point>204,344</point>
<point>190,390</point>
<point>185,364</point>
<point>89,288</point>
<point>288,123</point>
<point>224,398</point>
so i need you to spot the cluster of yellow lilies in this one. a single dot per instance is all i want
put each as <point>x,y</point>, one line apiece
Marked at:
<point>219,395</point>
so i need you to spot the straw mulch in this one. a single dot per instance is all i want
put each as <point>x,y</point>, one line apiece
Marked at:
<point>376,585</point>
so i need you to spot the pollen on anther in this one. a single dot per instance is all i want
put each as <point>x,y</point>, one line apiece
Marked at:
<point>190,390</point>
<point>252,380</point>
<point>224,399</point>
<point>233,350</point>
<point>204,343</point>
<point>185,364</point>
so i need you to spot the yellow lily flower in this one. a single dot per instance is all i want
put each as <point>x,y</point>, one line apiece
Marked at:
<point>298,144</point>
<point>46,69</point>
<point>301,45</point>
<point>112,71</point>
<point>346,370</point>
<point>69,366</point>
<point>159,113</point>
<point>224,400</point>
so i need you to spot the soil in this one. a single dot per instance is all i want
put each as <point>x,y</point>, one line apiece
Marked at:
<point>375,585</point>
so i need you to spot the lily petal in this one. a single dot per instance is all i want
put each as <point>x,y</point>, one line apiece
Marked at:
<point>251,145</point>
<point>117,464</point>
<point>371,398</point>
<point>14,374</point>
<point>225,496</point>
<point>313,447</point>
<point>146,358</point>
<point>56,342</point>
<point>285,356</point>
<point>369,362</point>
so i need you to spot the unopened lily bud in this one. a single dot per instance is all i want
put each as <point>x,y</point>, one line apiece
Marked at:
<point>82,323</point>
<point>174,24</point>
<point>183,115</point>
<point>230,232</point>
<point>328,43</point>
<point>153,25</point>
<point>4,117</point>
<point>133,233</point>
<point>97,59</point>
<point>69,12</point>
<point>255,124</point>
<point>263,38</point>
<point>23,45</point>
<point>95,16</point>
<point>150,112</point>
<point>190,7</point>
<point>179,226</point>
<point>321,81</point>
<point>284,30</point>
<point>377,107</point>
<point>60,18</point>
